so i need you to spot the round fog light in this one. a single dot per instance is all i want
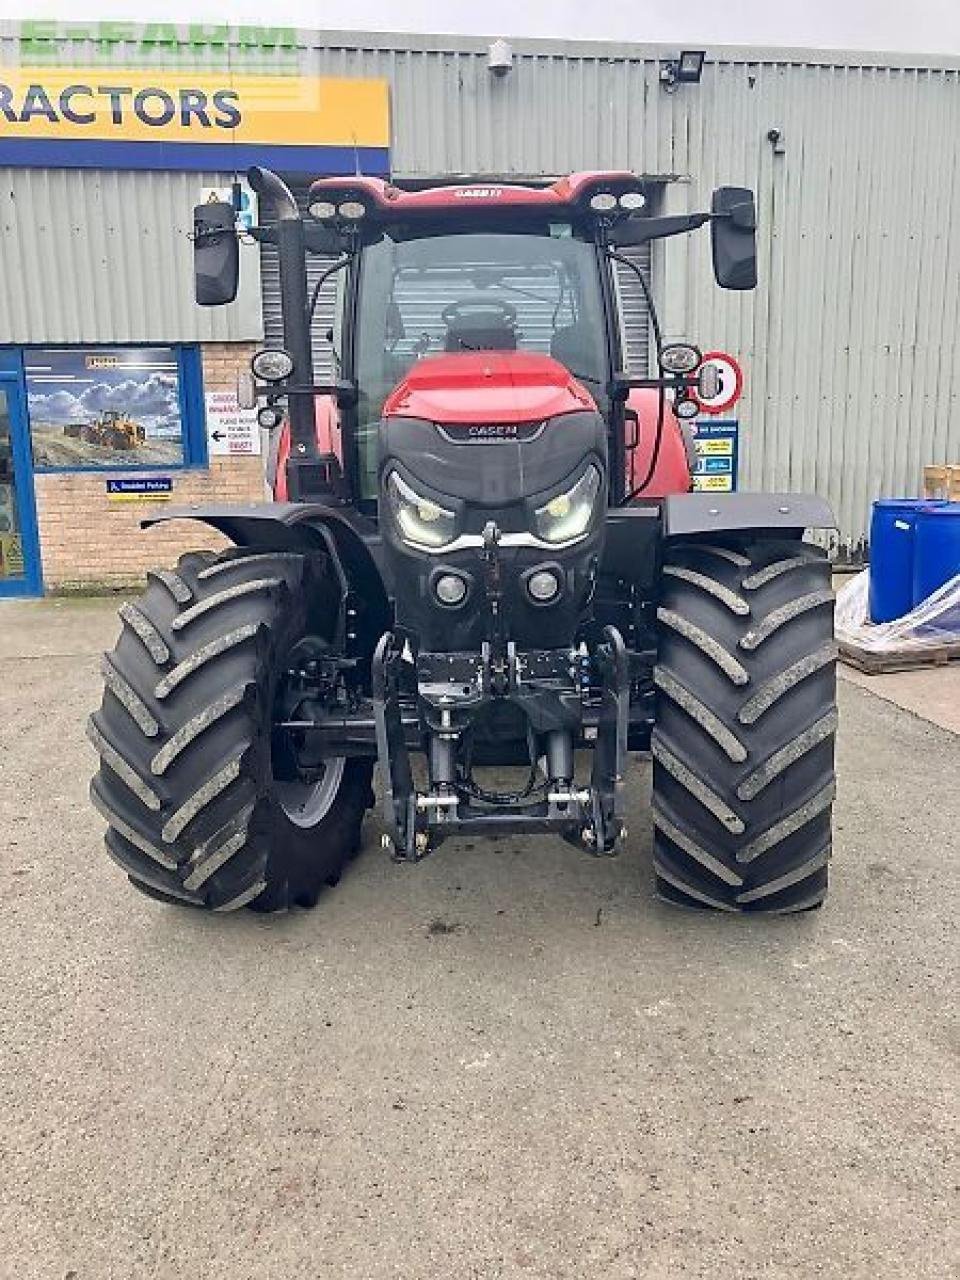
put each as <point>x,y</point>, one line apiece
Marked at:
<point>686,408</point>
<point>450,589</point>
<point>543,586</point>
<point>272,364</point>
<point>269,417</point>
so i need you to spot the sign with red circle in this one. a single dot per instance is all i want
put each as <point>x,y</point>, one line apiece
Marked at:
<point>730,378</point>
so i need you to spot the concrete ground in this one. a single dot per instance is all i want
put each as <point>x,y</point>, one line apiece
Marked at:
<point>508,1062</point>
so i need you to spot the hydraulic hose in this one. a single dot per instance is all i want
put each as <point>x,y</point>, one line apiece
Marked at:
<point>322,280</point>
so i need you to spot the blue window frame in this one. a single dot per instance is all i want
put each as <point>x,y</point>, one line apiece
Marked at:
<point>116,408</point>
<point>20,573</point>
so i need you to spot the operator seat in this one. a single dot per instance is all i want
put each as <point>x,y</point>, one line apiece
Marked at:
<point>480,331</point>
<point>573,346</point>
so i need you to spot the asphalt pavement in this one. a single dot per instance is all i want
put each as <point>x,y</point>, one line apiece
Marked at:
<point>510,1061</point>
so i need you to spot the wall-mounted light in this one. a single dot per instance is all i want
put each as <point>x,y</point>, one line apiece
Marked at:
<point>687,69</point>
<point>499,58</point>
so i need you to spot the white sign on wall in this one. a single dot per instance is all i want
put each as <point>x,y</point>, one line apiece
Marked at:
<point>247,214</point>
<point>231,431</point>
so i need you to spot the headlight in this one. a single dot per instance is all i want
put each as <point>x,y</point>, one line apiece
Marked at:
<point>323,210</point>
<point>273,364</point>
<point>567,516</point>
<point>421,521</point>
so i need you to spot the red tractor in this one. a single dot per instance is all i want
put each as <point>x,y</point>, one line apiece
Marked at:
<point>484,553</point>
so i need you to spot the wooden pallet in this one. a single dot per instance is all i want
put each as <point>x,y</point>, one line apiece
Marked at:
<point>942,482</point>
<point>879,664</point>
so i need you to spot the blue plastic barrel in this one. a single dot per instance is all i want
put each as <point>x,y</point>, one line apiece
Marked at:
<point>936,556</point>
<point>892,537</point>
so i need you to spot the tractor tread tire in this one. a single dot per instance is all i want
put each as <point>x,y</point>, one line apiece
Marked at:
<point>743,748</point>
<point>184,738</point>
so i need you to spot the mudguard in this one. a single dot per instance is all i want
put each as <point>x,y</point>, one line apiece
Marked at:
<point>685,514</point>
<point>348,537</point>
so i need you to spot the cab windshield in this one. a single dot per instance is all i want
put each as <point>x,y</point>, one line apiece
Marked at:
<point>469,292</point>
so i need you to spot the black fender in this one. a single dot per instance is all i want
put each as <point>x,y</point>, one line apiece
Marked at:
<point>350,539</point>
<point>687,514</point>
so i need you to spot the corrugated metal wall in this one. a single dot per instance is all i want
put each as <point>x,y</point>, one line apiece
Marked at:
<point>91,255</point>
<point>851,344</point>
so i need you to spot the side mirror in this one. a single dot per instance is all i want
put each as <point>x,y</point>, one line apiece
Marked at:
<point>216,254</point>
<point>733,237</point>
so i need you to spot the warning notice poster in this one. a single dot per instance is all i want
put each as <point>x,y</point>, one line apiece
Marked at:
<point>717,446</point>
<point>231,431</point>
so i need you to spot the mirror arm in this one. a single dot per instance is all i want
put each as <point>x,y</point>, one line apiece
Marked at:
<point>741,215</point>
<point>621,384</point>
<point>636,231</point>
<point>344,391</point>
<point>211,235</point>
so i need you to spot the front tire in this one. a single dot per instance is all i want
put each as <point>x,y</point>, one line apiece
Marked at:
<point>743,749</point>
<point>188,778</point>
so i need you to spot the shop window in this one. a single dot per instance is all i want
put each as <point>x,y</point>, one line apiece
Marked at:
<point>103,408</point>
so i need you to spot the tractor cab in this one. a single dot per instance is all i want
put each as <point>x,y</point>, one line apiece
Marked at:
<point>459,270</point>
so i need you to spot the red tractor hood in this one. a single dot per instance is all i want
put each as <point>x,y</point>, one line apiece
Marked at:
<point>487,386</point>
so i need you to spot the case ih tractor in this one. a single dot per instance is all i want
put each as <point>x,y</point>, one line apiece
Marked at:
<point>484,561</point>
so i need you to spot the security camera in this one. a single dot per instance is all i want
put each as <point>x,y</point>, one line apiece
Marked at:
<point>500,58</point>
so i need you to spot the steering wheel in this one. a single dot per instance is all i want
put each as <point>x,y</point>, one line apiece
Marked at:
<point>464,307</point>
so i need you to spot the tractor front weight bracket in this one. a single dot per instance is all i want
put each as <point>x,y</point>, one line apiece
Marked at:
<point>569,699</point>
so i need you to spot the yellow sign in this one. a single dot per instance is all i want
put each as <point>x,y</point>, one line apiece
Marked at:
<point>721,446</point>
<point>139,497</point>
<point>192,119</point>
<point>11,555</point>
<point>713,484</point>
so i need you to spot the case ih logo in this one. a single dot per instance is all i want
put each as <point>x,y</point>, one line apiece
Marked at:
<point>489,432</point>
<point>493,431</point>
<point>478,193</point>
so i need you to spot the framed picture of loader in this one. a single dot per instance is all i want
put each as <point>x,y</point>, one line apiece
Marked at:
<point>94,408</point>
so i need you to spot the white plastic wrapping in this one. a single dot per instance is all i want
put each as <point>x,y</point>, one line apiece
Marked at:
<point>931,625</point>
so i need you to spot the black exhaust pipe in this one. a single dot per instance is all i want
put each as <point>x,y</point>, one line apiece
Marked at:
<point>288,235</point>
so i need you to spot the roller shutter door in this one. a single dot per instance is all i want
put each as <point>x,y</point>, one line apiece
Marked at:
<point>270,284</point>
<point>634,313</point>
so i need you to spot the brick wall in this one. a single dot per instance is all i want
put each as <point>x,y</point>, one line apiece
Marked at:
<point>87,540</point>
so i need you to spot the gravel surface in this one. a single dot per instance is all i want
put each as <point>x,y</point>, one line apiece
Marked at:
<point>510,1061</point>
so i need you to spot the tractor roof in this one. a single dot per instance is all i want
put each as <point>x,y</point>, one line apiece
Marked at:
<point>389,203</point>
